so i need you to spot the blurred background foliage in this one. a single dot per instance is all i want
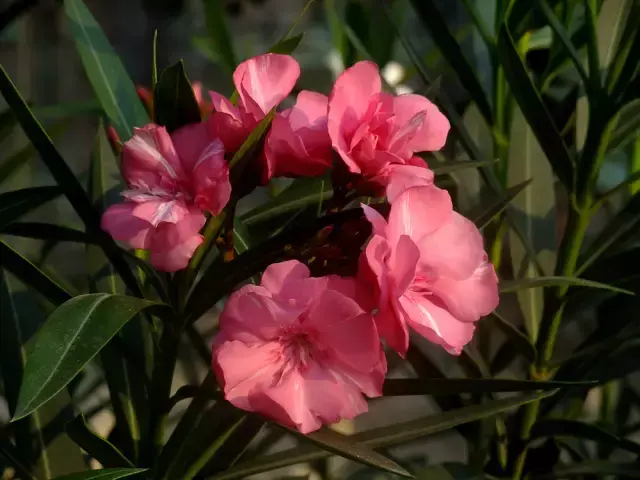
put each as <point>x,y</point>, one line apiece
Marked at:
<point>544,99</point>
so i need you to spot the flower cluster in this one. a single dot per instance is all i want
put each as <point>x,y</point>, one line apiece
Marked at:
<point>305,350</point>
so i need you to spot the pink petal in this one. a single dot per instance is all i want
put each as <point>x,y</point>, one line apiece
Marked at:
<point>418,212</point>
<point>211,186</point>
<point>191,141</point>
<point>197,92</point>
<point>156,210</point>
<point>472,298</point>
<point>453,250</point>
<point>120,222</point>
<point>432,133</point>
<point>348,103</point>
<point>402,264</point>
<point>392,328</point>
<point>403,177</point>
<point>310,111</point>
<point>277,276</point>
<point>222,105</point>
<point>376,220</point>
<point>252,315</point>
<point>149,159</point>
<point>264,81</point>
<point>173,244</point>
<point>257,369</point>
<point>435,323</point>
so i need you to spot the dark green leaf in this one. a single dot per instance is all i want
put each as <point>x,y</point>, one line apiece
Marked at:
<point>17,203</point>
<point>447,386</point>
<point>46,231</point>
<point>484,214</point>
<point>96,446</point>
<point>63,175</point>
<point>14,162</point>
<point>288,45</point>
<point>107,75</point>
<point>385,436</point>
<point>300,194</point>
<point>456,165</point>
<point>31,275</point>
<point>9,455</point>
<point>626,128</point>
<point>452,52</point>
<point>533,108</point>
<point>220,40</point>
<point>104,474</point>
<point>346,447</point>
<point>515,337</point>
<point>543,282</point>
<point>585,431</point>
<point>250,146</point>
<point>242,240</point>
<point>71,337</point>
<point>175,104</point>
<point>600,469</point>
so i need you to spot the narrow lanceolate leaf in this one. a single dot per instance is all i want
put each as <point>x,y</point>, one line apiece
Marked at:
<point>288,45</point>
<point>46,231</point>
<point>107,75</point>
<point>582,430</point>
<point>627,126</point>
<point>599,469</point>
<point>72,336</point>
<point>220,41</point>
<point>64,176</point>
<point>385,436</point>
<point>533,109</point>
<point>250,146</point>
<point>534,211</point>
<point>300,194</point>
<point>457,165</point>
<point>31,275</point>
<point>17,203</point>
<point>452,52</point>
<point>104,474</point>
<point>175,104</point>
<point>543,282</point>
<point>518,340</point>
<point>447,386</point>
<point>96,446</point>
<point>485,213</point>
<point>345,447</point>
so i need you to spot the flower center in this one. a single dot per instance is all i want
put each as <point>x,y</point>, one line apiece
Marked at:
<point>299,346</point>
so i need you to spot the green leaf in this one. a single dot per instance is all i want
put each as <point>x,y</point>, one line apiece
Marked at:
<point>16,161</point>
<point>104,474</point>
<point>302,193</point>
<point>346,447</point>
<point>71,337</point>
<point>452,52</point>
<point>31,275</point>
<point>175,104</point>
<point>518,340</point>
<point>220,40</point>
<point>626,128</point>
<point>533,109</point>
<point>251,145</point>
<point>385,436</point>
<point>46,231</point>
<point>64,176</point>
<point>600,469</point>
<point>535,212</point>
<point>242,240</point>
<point>107,75</point>
<point>485,213</point>
<point>17,203</point>
<point>96,446</point>
<point>456,165</point>
<point>543,282</point>
<point>288,45</point>
<point>447,386</point>
<point>623,225</point>
<point>582,430</point>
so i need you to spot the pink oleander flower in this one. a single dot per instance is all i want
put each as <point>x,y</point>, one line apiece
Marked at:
<point>298,143</point>
<point>262,83</point>
<point>298,350</point>
<point>173,180</point>
<point>373,130</point>
<point>427,266</point>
